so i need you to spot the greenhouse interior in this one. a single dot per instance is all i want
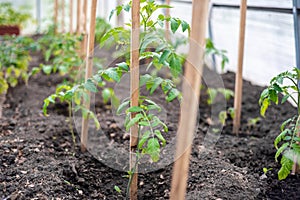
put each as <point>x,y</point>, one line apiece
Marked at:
<point>150,99</point>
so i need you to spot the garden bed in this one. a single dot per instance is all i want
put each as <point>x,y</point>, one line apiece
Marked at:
<point>38,159</point>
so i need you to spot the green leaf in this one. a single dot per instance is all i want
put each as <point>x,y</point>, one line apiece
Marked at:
<point>106,94</point>
<point>263,95</point>
<point>175,65</point>
<point>286,167</point>
<point>223,117</point>
<point>273,96</point>
<point>160,137</point>
<point>112,74</point>
<point>48,54</point>
<point>134,121</point>
<point>227,93</point>
<point>212,94</point>
<point>122,107</point>
<point>143,139</point>
<point>93,116</point>
<point>145,78</point>
<point>134,109</point>
<point>123,65</point>
<point>156,82</point>
<point>285,98</point>
<point>281,149</point>
<point>47,69</point>
<point>185,26</point>
<point>280,137</point>
<point>173,94</point>
<point>153,105</point>
<point>153,149</point>
<point>164,56</point>
<point>174,25</point>
<point>231,112</point>
<point>90,86</point>
<point>285,123</point>
<point>117,189</point>
<point>277,87</point>
<point>264,107</point>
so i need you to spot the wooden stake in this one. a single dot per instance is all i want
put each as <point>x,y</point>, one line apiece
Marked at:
<point>88,73</point>
<point>134,92</point>
<point>84,33</point>
<point>78,25</point>
<point>167,33</point>
<point>85,4</point>
<point>191,94</point>
<point>239,73</point>
<point>71,16</point>
<point>55,15</point>
<point>63,16</point>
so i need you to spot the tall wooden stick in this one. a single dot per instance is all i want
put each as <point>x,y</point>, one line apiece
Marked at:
<point>167,33</point>
<point>71,16</point>
<point>63,16</point>
<point>84,33</point>
<point>239,73</point>
<point>78,25</point>
<point>88,73</point>
<point>55,15</point>
<point>85,4</point>
<point>191,94</point>
<point>134,93</point>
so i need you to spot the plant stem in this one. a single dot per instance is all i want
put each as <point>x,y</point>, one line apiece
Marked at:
<point>132,171</point>
<point>71,124</point>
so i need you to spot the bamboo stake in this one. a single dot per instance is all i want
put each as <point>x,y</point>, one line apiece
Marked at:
<point>191,94</point>
<point>239,73</point>
<point>78,25</point>
<point>71,16</point>
<point>167,33</point>
<point>63,16</point>
<point>55,15</point>
<point>88,73</point>
<point>134,92</point>
<point>84,33</point>
<point>85,4</point>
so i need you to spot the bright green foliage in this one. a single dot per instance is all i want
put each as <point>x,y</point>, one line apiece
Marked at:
<point>211,49</point>
<point>277,87</point>
<point>287,142</point>
<point>14,60</point>
<point>253,121</point>
<point>61,53</point>
<point>10,16</point>
<point>101,28</point>
<point>167,86</point>
<point>151,127</point>
<point>213,92</point>
<point>164,53</point>
<point>117,189</point>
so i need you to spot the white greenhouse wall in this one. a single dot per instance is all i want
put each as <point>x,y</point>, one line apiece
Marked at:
<point>269,43</point>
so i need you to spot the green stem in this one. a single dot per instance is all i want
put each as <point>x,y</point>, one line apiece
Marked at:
<point>71,125</point>
<point>134,167</point>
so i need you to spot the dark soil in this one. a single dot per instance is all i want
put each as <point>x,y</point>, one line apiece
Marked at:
<point>39,161</point>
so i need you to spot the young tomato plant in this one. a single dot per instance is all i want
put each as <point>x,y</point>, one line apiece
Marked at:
<point>61,53</point>
<point>10,16</point>
<point>14,60</point>
<point>287,142</point>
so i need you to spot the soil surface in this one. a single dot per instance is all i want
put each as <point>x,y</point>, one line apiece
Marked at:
<point>39,161</point>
